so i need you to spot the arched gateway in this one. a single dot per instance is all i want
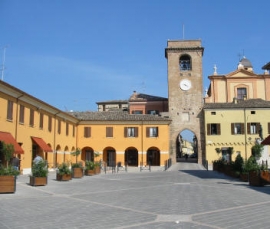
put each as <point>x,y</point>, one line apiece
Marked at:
<point>185,91</point>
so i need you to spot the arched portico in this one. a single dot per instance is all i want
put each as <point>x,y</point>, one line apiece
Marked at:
<point>131,156</point>
<point>109,156</point>
<point>87,154</point>
<point>153,156</point>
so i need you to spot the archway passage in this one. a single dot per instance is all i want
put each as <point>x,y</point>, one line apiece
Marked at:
<point>87,154</point>
<point>131,156</point>
<point>109,156</point>
<point>187,147</point>
<point>153,156</point>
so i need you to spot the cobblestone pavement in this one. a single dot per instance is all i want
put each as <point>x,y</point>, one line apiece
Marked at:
<point>186,196</point>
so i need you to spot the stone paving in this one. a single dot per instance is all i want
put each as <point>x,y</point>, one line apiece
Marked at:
<point>186,196</point>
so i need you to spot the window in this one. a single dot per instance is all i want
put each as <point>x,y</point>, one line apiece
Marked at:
<point>213,113</point>
<point>67,129</point>
<point>268,127</point>
<point>253,127</point>
<point>137,112</point>
<point>241,93</point>
<point>31,121</point>
<point>73,131</point>
<point>10,110</point>
<point>237,128</point>
<point>153,112</point>
<point>131,132</point>
<point>49,123</point>
<point>109,132</point>
<point>87,132</point>
<point>59,127</point>
<point>41,116</point>
<point>252,112</point>
<point>213,129</point>
<point>185,63</point>
<point>21,118</point>
<point>151,131</point>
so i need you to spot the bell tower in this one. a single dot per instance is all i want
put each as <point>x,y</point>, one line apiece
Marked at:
<point>185,91</point>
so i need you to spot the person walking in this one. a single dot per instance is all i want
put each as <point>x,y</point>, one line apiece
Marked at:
<point>15,162</point>
<point>37,159</point>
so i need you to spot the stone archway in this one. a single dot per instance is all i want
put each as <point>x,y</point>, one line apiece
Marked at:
<point>187,146</point>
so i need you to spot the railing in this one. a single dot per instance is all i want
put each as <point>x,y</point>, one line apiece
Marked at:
<point>145,167</point>
<point>121,168</point>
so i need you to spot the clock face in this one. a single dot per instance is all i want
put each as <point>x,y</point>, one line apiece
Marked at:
<point>185,85</point>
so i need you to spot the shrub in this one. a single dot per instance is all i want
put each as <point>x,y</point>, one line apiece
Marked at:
<point>40,169</point>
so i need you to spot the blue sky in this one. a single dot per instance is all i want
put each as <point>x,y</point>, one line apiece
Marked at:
<point>72,54</point>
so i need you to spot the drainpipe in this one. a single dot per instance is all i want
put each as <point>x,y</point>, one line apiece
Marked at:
<point>54,139</point>
<point>142,141</point>
<point>245,128</point>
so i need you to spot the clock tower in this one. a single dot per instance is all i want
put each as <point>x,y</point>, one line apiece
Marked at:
<point>185,93</point>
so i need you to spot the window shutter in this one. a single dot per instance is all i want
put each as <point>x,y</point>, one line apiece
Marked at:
<point>218,129</point>
<point>157,131</point>
<point>258,127</point>
<point>147,132</point>
<point>232,128</point>
<point>208,129</point>
<point>49,123</point>
<point>87,132</point>
<point>242,128</point>
<point>268,127</point>
<point>109,132</point>
<point>125,131</point>
<point>136,132</point>
<point>248,128</point>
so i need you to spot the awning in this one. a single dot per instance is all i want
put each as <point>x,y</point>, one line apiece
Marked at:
<point>40,142</point>
<point>9,139</point>
<point>266,141</point>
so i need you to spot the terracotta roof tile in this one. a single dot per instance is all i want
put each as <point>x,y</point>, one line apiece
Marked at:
<point>249,103</point>
<point>115,116</point>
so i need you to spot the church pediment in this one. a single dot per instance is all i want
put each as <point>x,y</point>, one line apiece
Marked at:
<point>241,73</point>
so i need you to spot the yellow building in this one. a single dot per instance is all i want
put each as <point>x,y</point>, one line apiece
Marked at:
<point>122,137</point>
<point>36,127</point>
<point>236,112</point>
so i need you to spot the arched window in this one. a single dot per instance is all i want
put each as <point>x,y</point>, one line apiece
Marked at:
<point>185,63</point>
<point>241,93</point>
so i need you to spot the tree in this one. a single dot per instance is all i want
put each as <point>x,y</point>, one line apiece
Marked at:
<point>257,150</point>
<point>76,153</point>
<point>7,151</point>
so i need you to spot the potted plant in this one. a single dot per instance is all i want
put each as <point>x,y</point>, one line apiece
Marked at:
<point>39,175</point>
<point>77,168</point>
<point>89,168</point>
<point>264,173</point>
<point>97,163</point>
<point>253,169</point>
<point>63,172</point>
<point>7,173</point>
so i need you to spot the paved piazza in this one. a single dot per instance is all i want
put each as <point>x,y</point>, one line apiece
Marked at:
<point>184,197</point>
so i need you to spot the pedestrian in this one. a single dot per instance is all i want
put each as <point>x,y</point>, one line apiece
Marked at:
<point>15,162</point>
<point>186,156</point>
<point>37,159</point>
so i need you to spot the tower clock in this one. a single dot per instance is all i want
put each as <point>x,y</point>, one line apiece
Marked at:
<point>185,91</point>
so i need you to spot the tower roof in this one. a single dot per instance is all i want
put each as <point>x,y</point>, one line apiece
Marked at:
<point>245,62</point>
